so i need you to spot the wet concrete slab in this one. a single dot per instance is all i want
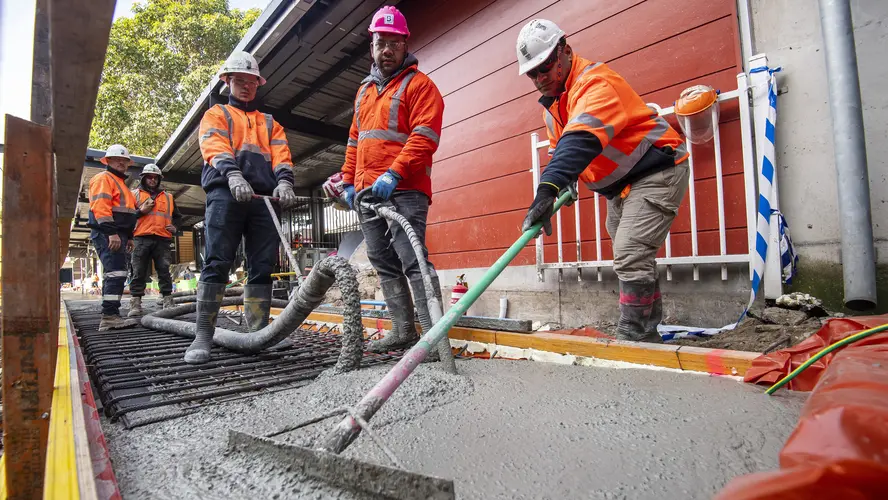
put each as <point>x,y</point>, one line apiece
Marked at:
<point>500,429</point>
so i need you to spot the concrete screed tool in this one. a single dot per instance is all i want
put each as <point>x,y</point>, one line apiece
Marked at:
<point>324,462</point>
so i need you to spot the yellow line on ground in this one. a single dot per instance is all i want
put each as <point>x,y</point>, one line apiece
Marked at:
<point>60,480</point>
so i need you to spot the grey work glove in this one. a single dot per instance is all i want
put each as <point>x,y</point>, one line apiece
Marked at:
<point>240,188</point>
<point>284,193</point>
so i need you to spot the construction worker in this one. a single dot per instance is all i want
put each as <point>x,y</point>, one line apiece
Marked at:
<point>246,154</point>
<point>601,132</point>
<point>394,133</point>
<point>158,222</point>
<point>112,218</point>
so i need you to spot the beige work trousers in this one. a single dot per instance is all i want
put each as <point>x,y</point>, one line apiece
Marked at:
<point>638,224</point>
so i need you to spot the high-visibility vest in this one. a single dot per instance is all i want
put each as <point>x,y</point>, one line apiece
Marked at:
<point>111,203</point>
<point>600,101</point>
<point>397,127</point>
<point>154,223</point>
<point>249,141</point>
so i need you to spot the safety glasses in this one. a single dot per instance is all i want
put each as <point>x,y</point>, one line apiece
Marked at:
<point>546,66</point>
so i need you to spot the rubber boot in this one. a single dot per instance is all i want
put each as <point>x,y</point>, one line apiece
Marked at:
<point>115,322</point>
<point>168,302</point>
<point>400,306</point>
<point>656,317</point>
<point>422,310</point>
<point>636,306</point>
<point>209,300</point>
<point>257,306</point>
<point>135,307</point>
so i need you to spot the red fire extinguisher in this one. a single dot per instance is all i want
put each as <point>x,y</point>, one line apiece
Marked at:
<point>459,289</point>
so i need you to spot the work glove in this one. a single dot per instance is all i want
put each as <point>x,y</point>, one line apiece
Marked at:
<point>541,209</point>
<point>171,228</point>
<point>285,195</point>
<point>349,195</point>
<point>240,188</point>
<point>114,242</point>
<point>385,185</point>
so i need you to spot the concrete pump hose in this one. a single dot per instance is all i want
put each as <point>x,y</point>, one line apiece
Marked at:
<point>306,298</point>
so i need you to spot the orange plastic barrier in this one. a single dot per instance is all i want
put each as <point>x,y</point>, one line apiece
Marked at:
<point>839,450</point>
<point>769,368</point>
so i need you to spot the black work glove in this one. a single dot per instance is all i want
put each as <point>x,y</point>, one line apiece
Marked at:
<point>541,209</point>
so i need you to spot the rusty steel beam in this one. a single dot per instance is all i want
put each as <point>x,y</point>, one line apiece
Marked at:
<point>30,284</point>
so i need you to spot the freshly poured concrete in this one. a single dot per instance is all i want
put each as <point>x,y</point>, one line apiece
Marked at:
<point>502,429</point>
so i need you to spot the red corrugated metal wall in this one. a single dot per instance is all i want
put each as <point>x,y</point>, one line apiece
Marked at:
<point>481,173</point>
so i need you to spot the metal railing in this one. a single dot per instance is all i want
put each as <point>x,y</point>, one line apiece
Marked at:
<point>695,259</point>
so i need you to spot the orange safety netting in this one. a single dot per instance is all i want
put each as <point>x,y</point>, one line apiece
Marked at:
<point>769,368</point>
<point>839,449</point>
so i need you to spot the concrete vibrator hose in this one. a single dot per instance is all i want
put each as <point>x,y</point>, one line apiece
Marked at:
<point>305,299</point>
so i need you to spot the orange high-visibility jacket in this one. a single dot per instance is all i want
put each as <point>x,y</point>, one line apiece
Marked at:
<point>396,126</point>
<point>112,207</point>
<point>600,101</point>
<point>249,141</point>
<point>154,223</point>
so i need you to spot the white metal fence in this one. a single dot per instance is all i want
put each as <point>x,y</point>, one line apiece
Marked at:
<point>723,258</point>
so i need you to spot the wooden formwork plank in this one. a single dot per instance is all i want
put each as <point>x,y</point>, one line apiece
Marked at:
<point>31,285</point>
<point>718,361</point>
<point>554,342</point>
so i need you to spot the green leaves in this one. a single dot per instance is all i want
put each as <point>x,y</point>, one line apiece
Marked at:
<point>157,64</point>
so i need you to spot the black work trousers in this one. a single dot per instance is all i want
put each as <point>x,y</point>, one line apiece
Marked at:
<point>146,251</point>
<point>227,221</point>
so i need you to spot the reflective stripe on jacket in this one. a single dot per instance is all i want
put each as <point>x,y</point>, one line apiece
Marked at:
<point>112,207</point>
<point>154,223</point>
<point>249,141</point>
<point>398,127</point>
<point>601,102</point>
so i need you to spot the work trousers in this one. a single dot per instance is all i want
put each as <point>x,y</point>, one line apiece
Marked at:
<point>388,248</point>
<point>227,221</point>
<point>638,224</point>
<point>113,270</point>
<point>146,251</point>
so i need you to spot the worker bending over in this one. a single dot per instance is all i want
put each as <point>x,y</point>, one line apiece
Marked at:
<point>246,154</point>
<point>158,221</point>
<point>394,133</point>
<point>602,132</point>
<point>112,217</point>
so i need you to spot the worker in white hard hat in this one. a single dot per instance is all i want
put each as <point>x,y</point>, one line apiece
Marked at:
<point>394,135</point>
<point>159,220</point>
<point>602,132</point>
<point>246,154</point>
<point>112,217</point>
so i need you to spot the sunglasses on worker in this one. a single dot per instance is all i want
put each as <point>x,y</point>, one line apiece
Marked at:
<point>546,66</point>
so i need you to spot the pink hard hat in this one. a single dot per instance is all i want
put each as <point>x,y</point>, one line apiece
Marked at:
<point>388,19</point>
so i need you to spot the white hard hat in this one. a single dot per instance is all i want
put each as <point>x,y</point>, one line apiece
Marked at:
<point>151,169</point>
<point>116,151</point>
<point>241,62</point>
<point>536,42</point>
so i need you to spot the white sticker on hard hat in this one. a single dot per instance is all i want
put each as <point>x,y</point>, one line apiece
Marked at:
<point>389,19</point>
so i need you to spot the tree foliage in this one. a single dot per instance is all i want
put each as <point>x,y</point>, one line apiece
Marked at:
<point>158,63</point>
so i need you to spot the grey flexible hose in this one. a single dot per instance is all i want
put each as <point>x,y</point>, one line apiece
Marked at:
<point>304,301</point>
<point>435,307</point>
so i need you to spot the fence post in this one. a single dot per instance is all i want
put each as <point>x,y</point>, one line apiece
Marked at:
<point>773,278</point>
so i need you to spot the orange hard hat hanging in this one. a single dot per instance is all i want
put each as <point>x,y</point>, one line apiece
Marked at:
<point>697,113</point>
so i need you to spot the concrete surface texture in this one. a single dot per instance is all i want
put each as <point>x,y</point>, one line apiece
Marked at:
<point>788,31</point>
<point>500,429</point>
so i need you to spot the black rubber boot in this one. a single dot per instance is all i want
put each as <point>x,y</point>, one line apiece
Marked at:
<point>400,308</point>
<point>422,310</point>
<point>650,327</point>
<point>257,306</point>
<point>209,300</point>
<point>636,306</point>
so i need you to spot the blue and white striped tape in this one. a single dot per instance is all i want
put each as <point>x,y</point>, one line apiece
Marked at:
<point>766,188</point>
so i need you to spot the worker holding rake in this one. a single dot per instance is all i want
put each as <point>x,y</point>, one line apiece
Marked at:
<point>602,132</point>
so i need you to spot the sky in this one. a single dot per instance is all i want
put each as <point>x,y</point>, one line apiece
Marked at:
<point>16,50</point>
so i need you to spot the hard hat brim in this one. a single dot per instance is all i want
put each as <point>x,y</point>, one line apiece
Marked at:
<point>262,81</point>
<point>104,159</point>
<point>536,61</point>
<point>392,31</point>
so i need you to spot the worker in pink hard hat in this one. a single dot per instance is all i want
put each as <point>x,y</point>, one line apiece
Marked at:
<point>394,134</point>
